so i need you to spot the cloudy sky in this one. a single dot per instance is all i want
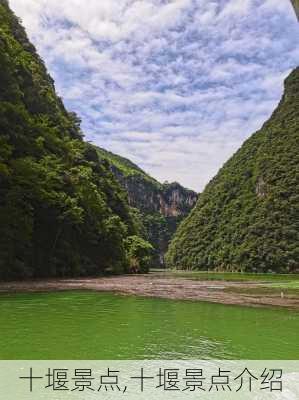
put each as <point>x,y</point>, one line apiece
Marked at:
<point>174,85</point>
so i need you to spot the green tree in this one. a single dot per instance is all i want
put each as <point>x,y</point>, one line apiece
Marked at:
<point>62,212</point>
<point>139,253</point>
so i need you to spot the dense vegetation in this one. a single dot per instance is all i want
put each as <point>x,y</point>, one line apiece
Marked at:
<point>126,168</point>
<point>62,212</point>
<point>158,207</point>
<point>248,216</point>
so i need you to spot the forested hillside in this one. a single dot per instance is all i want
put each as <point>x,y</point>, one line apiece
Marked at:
<point>159,207</point>
<point>247,218</point>
<point>62,212</point>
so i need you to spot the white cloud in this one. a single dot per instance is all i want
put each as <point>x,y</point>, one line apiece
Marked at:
<point>174,85</point>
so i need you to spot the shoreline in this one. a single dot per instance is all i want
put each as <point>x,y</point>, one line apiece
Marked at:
<point>173,288</point>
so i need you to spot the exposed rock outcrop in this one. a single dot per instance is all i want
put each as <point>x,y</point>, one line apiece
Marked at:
<point>162,206</point>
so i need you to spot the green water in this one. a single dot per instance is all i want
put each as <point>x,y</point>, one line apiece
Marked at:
<point>90,325</point>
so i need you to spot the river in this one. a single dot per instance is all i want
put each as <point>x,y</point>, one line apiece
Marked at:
<point>92,325</point>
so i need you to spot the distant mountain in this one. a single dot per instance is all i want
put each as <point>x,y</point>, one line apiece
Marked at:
<point>247,218</point>
<point>162,206</point>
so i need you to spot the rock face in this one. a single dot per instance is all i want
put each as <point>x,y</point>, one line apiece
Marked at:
<point>162,206</point>
<point>176,201</point>
<point>247,217</point>
<point>145,193</point>
<point>169,199</point>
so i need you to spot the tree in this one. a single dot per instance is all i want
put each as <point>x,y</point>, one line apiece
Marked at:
<point>139,254</point>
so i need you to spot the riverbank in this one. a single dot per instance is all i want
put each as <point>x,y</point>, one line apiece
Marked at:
<point>248,293</point>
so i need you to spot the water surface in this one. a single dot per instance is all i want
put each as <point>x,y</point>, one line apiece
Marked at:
<point>91,325</point>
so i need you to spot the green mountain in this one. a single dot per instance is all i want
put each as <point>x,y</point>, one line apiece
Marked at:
<point>62,212</point>
<point>159,207</point>
<point>247,218</point>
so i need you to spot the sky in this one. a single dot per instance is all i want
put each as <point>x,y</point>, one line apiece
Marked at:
<point>176,86</point>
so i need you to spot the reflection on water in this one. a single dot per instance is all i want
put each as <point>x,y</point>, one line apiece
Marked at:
<point>90,325</point>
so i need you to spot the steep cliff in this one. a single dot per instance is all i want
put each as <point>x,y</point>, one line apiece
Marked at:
<point>247,218</point>
<point>162,206</point>
<point>62,212</point>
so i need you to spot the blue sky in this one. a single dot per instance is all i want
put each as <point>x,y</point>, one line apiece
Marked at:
<point>174,85</point>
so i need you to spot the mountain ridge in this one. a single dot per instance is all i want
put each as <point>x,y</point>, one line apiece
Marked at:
<point>167,193</point>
